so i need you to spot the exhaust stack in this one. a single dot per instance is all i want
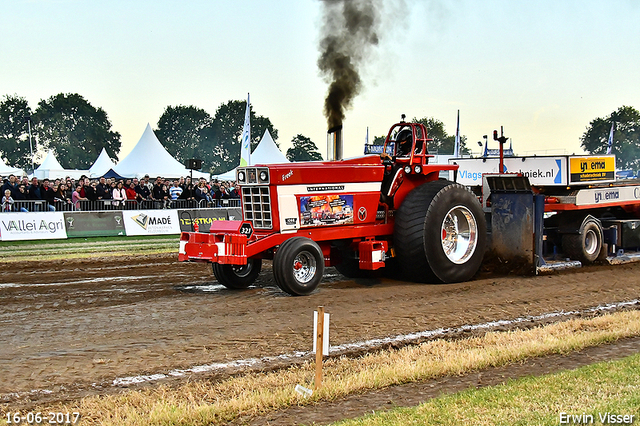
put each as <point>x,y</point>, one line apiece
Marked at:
<point>334,143</point>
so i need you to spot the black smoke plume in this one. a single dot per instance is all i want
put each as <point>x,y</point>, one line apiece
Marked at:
<point>350,29</point>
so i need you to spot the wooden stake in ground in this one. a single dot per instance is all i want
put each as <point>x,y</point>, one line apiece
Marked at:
<point>319,346</point>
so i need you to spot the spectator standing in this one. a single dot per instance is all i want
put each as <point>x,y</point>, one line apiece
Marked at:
<point>235,192</point>
<point>34,190</point>
<point>7,201</point>
<point>76,198</point>
<point>89,190</point>
<point>131,191</point>
<point>11,184</point>
<point>158,194</point>
<point>175,191</point>
<point>48,195</point>
<point>21,198</point>
<point>101,189</point>
<point>119,194</point>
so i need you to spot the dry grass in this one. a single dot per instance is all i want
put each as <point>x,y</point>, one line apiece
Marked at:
<point>202,402</point>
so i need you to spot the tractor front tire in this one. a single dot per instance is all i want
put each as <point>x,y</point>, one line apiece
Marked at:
<point>440,233</point>
<point>237,277</point>
<point>298,266</point>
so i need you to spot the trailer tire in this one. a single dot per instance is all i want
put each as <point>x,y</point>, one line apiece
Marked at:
<point>586,245</point>
<point>440,233</point>
<point>237,277</point>
<point>298,266</point>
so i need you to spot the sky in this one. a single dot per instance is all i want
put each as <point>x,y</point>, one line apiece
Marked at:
<point>542,69</point>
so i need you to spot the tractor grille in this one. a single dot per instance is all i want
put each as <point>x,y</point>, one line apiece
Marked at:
<point>256,206</point>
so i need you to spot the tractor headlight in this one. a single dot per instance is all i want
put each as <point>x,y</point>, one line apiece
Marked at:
<point>407,169</point>
<point>241,176</point>
<point>417,168</point>
<point>264,176</point>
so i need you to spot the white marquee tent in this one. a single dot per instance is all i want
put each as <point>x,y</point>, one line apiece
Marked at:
<point>149,157</point>
<point>102,165</point>
<point>8,170</point>
<point>51,169</point>
<point>267,152</point>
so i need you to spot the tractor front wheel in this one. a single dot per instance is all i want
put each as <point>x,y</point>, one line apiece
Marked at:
<point>237,277</point>
<point>298,266</point>
<point>440,233</point>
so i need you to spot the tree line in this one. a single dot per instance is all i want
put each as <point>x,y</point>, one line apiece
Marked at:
<point>77,132</point>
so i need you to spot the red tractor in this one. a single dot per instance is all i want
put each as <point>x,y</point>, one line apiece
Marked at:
<point>358,214</point>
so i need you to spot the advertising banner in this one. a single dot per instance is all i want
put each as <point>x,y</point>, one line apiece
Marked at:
<point>540,170</point>
<point>592,169</point>
<point>94,224</point>
<point>204,218</point>
<point>32,226</point>
<point>320,210</point>
<point>151,222</point>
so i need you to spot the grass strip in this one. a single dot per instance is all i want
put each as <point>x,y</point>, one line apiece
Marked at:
<point>87,248</point>
<point>210,403</point>
<point>587,395</point>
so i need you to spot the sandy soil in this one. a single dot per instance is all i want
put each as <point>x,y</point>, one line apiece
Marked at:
<point>70,328</point>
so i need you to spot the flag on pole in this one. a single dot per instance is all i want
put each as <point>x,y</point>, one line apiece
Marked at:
<point>456,147</point>
<point>610,143</point>
<point>245,147</point>
<point>366,139</point>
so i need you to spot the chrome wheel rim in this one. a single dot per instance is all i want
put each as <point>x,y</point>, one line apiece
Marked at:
<point>304,267</point>
<point>459,233</point>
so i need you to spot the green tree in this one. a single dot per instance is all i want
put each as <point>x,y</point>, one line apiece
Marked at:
<point>303,149</point>
<point>379,140</point>
<point>187,132</point>
<point>14,131</point>
<point>75,130</point>
<point>442,142</point>
<point>626,137</point>
<point>227,126</point>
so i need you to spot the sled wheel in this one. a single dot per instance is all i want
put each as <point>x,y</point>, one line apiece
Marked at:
<point>586,245</point>
<point>298,266</point>
<point>237,277</point>
<point>440,233</point>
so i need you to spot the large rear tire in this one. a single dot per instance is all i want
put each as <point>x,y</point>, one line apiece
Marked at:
<point>298,266</point>
<point>237,277</point>
<point>586,245</point>
<point>440,233</point>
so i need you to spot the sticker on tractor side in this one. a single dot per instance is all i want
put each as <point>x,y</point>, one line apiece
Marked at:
<point>246,229</point>
<point>322,210</point>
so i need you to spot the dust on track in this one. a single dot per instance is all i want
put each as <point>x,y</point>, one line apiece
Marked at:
<point>71,327</point>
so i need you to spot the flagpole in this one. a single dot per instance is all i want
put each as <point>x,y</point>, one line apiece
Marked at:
<point>245,143</point>
<point>610,141</point>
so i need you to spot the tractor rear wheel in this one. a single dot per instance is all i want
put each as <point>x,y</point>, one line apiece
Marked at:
<point>440,233</point>
<point>298,266</point>
<point>237,277</point>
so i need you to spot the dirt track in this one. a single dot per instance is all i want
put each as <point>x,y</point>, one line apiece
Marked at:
<point>72,327</point>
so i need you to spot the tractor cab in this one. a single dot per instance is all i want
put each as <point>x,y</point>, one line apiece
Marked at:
<point>408,144</point>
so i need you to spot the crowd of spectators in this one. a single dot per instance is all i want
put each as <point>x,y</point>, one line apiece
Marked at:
<point>110,193</point>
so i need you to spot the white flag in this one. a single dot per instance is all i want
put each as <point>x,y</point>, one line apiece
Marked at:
<point>610,143</point>
<point>456,147</point>
<point>245,147</point>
